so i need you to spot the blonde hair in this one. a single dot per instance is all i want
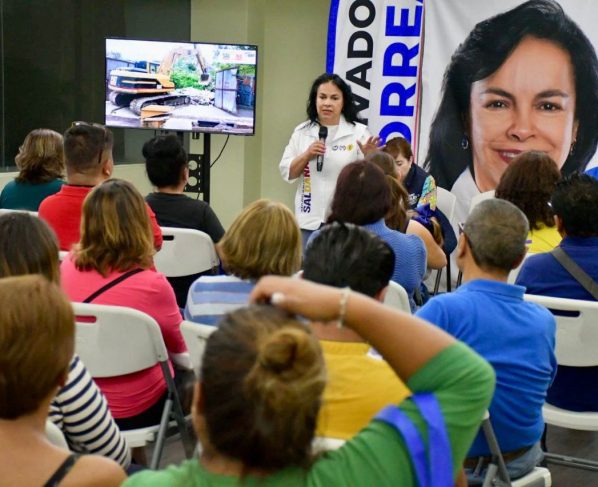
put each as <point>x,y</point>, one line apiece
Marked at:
<point>262,377</point>
<point>41,157</point>
<point>264,239</point>
<point>116,233</point>
<point>37,334</point>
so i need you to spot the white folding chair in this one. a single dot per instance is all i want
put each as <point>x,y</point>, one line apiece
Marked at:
<point>55,435</point>
<point>196,336</point>
<point>576,346</point>
<point>185,252</point>
<point>445,202</point>
<point>397,297</point>
<point>120,341</point>
<point>497,471</point>
<point>323,443</point>
<point>6,211</point>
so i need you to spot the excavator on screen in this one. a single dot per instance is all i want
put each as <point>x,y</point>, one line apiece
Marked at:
<point>150,83</point>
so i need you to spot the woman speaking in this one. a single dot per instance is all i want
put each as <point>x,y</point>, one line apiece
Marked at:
<point>319,148</point>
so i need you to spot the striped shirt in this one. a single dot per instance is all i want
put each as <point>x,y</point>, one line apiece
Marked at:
<point>81,412</point>
<point>211,297</point>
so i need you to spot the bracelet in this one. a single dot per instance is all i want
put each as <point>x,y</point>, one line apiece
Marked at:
<point>343,307</point>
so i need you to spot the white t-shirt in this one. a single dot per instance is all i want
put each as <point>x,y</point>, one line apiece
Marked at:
<point>315,189</point>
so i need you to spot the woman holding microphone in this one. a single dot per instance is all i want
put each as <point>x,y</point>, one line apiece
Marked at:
<point>320,147</point>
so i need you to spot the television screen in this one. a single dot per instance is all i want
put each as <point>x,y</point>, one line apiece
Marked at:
<point>181,86</point>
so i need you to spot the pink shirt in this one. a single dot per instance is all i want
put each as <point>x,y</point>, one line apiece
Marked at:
<point>147,291</point>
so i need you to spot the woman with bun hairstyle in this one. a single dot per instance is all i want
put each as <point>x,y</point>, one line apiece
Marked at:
<point>261,386</point>
<point>525,79</point>
<point>528,183</point>
<point>37,342</point>
<point>331,105</point>
<point>41,167</point>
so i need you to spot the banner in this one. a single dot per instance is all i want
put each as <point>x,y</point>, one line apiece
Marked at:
<point>379,48</point>
<point>376,46</point>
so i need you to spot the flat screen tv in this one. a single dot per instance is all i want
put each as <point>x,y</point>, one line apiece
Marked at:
<point>181,86</point>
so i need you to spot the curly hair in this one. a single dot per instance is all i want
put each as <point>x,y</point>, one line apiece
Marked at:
<point>41,157</point>
<point>528,183</point>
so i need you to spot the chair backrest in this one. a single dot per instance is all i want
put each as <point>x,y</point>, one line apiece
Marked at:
<point>55,435</point>
<point>397,297</point>
<point>196,336</point>
<point>478,198</point>
<point>185,252</point>
<point>445,202</point>
<point>576,336</point>
<point>321,444</point>
<point>6,211</point>
<point>114,340</point>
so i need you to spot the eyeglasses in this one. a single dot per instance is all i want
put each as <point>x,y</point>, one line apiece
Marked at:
<point>97,126</point>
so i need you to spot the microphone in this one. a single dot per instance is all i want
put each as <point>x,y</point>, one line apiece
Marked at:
<point>322,134</point>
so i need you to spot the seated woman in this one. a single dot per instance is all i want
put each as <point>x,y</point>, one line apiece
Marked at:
<point>167,168</point>
<point>79,409</point>
<point>264,239</point>
<point>117,244</point>
<point>256,406</point>
<point>400,218</point>
<point>36,316</point>
<point>41,167</point>
<point>362,197</point>
<point>420,186</point>
<point>528,183</point>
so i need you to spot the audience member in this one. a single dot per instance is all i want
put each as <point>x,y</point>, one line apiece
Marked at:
<point>399,217</point>
<point>575,204</point>
<point>264,239</point>
<point>36,316</point>
<point>88,156</point>
<point>79,409</point>
<point>362,197</point>
<point>420,185</point>
<point>41,166</point>
<point>515,336</point>
<point>360,383</point>
<point>112,264</point>
<point>167,168</point>
<point>528,183</point>
<point>256,406</point>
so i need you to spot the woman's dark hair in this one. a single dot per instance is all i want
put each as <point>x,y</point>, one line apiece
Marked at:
<point>165,159</point>
<point>361,196</point>
<point>398,146</point>
<point>482,53</point>
<point>574,201</point>
<point>528,183</point>
<point>262,378</point>
<point>349,107</point>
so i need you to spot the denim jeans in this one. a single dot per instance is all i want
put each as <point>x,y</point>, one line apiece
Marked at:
<point>517,468</point>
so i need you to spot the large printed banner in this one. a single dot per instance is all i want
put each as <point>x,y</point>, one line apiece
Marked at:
<point>377,48</point>
<point>528,80</point>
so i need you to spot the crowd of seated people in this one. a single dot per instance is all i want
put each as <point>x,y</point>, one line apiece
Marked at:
<point>263,366</point>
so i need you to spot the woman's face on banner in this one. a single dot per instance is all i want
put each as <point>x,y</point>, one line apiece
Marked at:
<point>526,104</point>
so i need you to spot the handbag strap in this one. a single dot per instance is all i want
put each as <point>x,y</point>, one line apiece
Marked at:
<point>577,272</point>
<point>434,470</point>
<point>111,284</point>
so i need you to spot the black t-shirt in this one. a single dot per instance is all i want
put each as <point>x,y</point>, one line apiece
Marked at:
<point>180,211</point>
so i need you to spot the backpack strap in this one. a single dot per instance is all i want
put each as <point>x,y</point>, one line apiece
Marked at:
<point>577,272</point>
<point>434,469</point>
<point>111,284</point>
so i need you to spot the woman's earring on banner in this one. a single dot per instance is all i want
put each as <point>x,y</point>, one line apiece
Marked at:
<point>572,148</point>
<point>465,142</point>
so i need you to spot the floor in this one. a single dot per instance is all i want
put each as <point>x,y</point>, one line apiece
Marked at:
<point>583,444</point>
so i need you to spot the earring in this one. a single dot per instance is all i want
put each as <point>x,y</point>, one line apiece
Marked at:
<point>572,148</point>
<point>464,142</point>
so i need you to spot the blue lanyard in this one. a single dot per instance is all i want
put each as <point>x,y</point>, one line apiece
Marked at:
<point>437,470</point>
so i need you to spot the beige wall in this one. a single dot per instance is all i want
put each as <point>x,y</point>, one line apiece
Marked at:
<point>291,39</point>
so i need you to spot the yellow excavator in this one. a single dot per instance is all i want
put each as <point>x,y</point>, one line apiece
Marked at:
<point>149,83</point>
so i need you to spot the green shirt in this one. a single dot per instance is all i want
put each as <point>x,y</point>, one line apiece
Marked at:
<point>18,195</point>
<point>463,383</point>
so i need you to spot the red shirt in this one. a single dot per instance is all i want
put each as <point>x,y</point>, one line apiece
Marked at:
<point>63,210</point>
